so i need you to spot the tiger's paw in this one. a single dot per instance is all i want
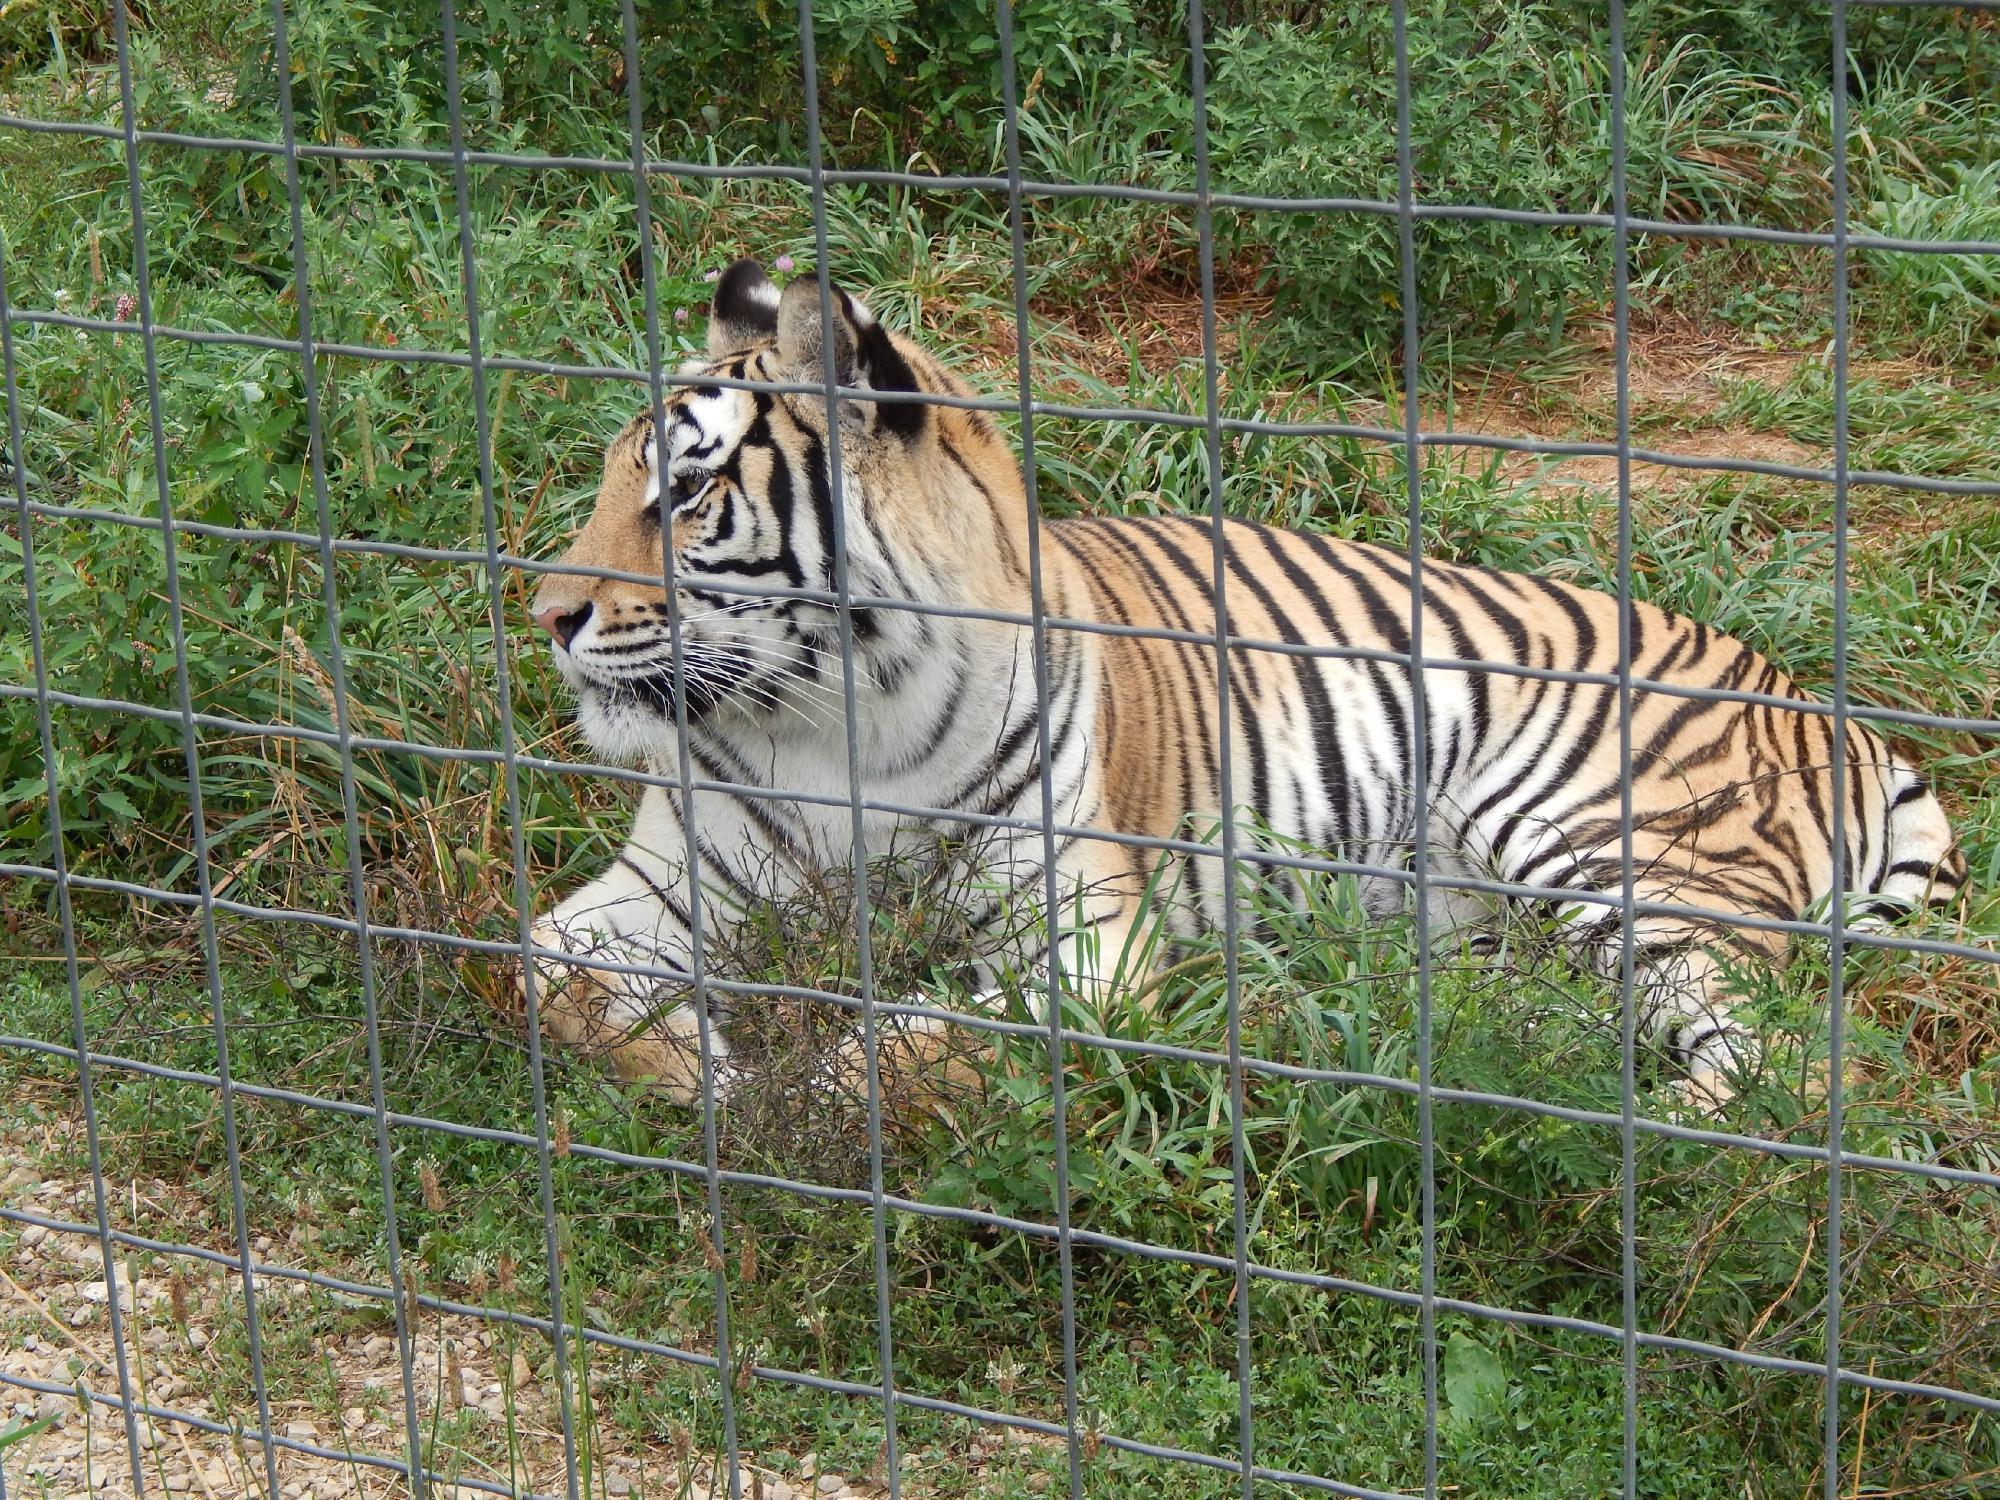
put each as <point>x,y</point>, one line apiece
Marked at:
<point>921,1062</point>
<point>649,1038</point>
<point>1702,1097</point>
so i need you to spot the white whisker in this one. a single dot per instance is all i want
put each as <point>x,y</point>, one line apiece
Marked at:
<point>788,651</point>
<point>788,678</point>
<point>717,611</point>
<point>769,694</point>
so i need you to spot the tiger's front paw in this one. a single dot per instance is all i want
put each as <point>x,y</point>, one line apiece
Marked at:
<point>1702,1097</point>
<point>634,1020</point>
<point>924,1066</point>
<point>573,1000</point>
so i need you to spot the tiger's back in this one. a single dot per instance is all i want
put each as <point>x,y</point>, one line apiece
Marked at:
<point>1731,801</point>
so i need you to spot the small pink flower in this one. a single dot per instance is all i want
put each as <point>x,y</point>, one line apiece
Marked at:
<point>710,275</point>
<point>680,315</point>
<point>784,263</point>
<point>127,305</point>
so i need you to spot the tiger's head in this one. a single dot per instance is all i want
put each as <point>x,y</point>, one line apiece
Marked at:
<point>931,499</point>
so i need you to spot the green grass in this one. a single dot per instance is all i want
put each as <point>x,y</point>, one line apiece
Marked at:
<point>1730,119</point>
<point>1527,1215</point>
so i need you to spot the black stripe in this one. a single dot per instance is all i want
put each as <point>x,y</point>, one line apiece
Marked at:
<point>1112,534</point>
<point>1586,643</point>
<point>1000,535</point>
<point>1396,635</point>
<point>1067,537</point>
<point>665,899</point>
<point>1332,768</point>
<point>1245,715</point>
<point>1941,873</point>
<point>795,841</point>
<point>889,371</point>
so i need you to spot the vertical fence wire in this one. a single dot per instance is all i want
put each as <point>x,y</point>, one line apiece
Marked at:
<point>1836,917</point>
<point>864,963</point>
<point>1224,744</point>
<point>86,1083</point>
<point>698,989</point>
<point>1406,239</point>
<point>357,886</point>
<point>190,745</point>
<point>1063,1234</point>
<point>1017,231</point>
<point>1628,1019</point>
<point>510,763</point>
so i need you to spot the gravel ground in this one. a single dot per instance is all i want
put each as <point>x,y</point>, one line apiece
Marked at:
<point>473,1384</point>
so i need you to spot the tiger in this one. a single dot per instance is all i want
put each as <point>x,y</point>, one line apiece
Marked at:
<point>1115,741</point>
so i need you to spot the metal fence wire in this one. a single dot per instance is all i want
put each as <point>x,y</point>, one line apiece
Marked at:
<point>255,1272</point>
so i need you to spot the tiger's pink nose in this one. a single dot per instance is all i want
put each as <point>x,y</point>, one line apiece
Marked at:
<point>562,623</point>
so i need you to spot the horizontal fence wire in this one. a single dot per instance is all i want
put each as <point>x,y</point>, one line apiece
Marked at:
<point>656,969</point>
<point>1031,187</point>
<point>1252,426</point>
<point>1807,707</point>
<point>254,1274</point>
<point>996,1026</point>
<point>1313,1281</point>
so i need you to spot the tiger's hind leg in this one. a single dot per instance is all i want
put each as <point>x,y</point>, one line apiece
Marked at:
<point>1681,989</point>
<point>1686,1011</point>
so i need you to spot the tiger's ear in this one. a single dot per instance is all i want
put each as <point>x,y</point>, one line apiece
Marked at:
<point>864,355</point>
<point>745,311</point>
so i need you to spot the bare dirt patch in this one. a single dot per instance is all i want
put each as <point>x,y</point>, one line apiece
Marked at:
<point>1678,375</point>
<point>1157,325</point>
<point>1680,372</point>
<point>485,1392</point>
<point>1153,325</point>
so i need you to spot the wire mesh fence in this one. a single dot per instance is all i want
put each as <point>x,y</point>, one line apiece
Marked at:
<point>574,1335</point>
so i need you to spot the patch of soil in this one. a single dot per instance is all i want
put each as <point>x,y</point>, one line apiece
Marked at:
<point>1154,322</point>
<point>1677,376</point>
<point>482,1389</point>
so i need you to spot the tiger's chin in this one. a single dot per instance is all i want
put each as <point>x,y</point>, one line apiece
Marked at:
<point>637,723</point>
<point>623,730</point>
